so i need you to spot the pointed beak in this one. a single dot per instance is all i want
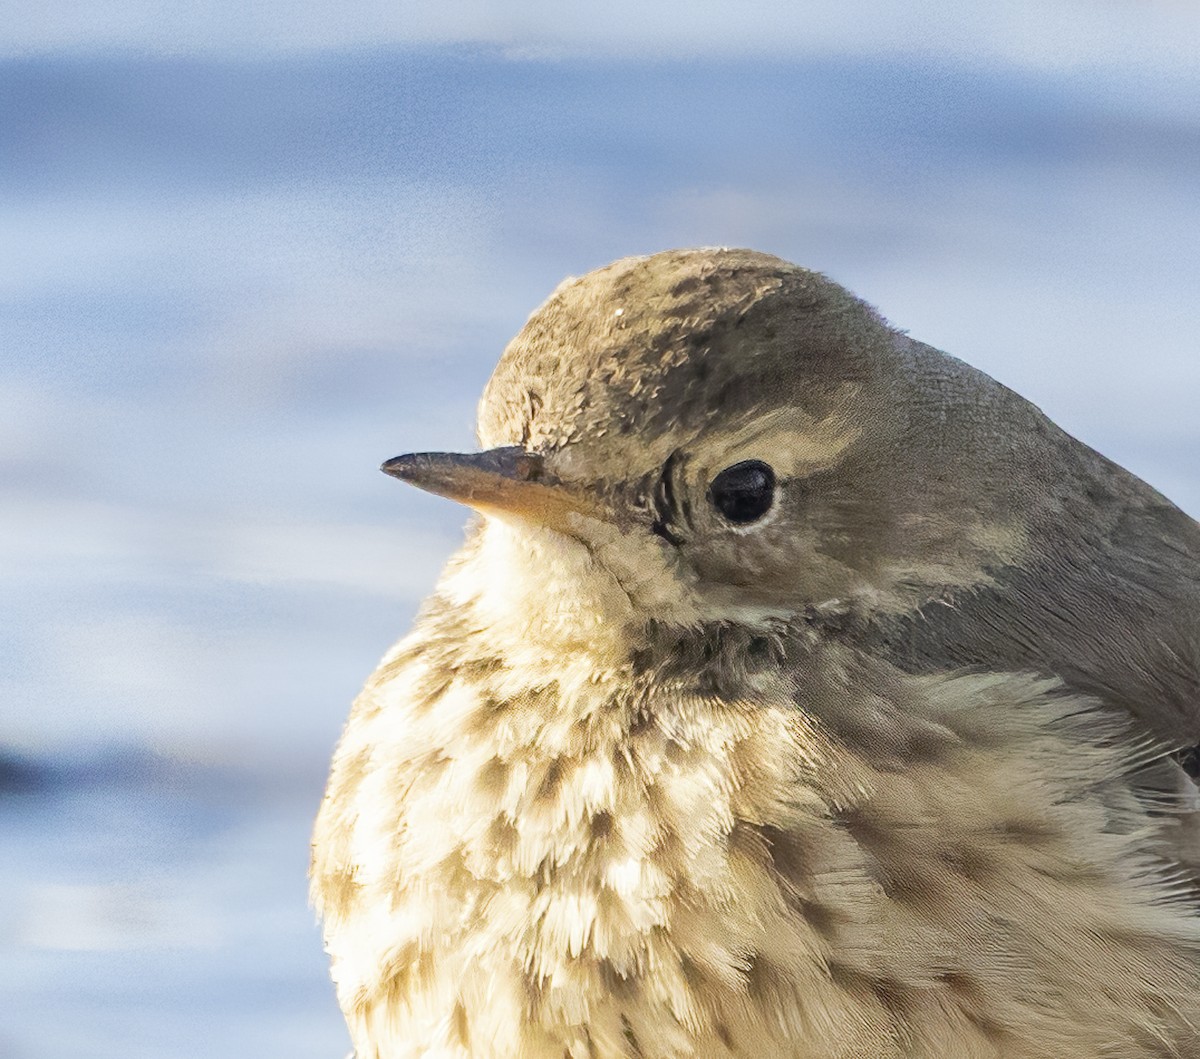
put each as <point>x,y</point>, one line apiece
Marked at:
<point>499,482</point>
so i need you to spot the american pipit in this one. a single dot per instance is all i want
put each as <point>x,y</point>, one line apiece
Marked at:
<point>801,692</point>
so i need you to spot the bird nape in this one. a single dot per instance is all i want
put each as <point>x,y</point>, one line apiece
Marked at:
<point>800,692</point>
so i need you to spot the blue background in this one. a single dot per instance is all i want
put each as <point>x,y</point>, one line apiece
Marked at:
<point>246,253</point>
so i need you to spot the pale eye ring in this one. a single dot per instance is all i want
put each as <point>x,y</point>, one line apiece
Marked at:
<point>744,492</point>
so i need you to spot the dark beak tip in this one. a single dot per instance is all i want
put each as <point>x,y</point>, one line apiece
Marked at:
<point>398,466</point>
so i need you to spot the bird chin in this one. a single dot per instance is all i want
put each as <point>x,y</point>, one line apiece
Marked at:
<point>593,588</point>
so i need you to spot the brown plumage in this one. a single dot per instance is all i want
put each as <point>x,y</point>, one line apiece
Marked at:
<point>802,692</point>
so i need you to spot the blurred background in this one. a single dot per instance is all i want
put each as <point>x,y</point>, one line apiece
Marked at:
<point>248,251</point>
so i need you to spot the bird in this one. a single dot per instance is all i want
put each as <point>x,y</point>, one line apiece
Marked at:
<point>799,691</point>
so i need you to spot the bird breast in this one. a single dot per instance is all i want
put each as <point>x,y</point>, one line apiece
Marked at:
<point>590,859</point>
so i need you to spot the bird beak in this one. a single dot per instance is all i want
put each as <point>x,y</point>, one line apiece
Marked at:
<point>499,482</point>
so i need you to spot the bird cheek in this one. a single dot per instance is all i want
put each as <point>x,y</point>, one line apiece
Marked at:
<point>722,567</point>
<point>657,582</point>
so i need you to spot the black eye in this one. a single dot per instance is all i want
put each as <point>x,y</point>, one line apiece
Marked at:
<point>744,492</point>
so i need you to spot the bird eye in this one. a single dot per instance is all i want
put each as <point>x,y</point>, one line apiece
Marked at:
<point>744,492</point>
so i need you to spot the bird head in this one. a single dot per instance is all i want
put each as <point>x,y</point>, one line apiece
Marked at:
<point>730,438</point>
